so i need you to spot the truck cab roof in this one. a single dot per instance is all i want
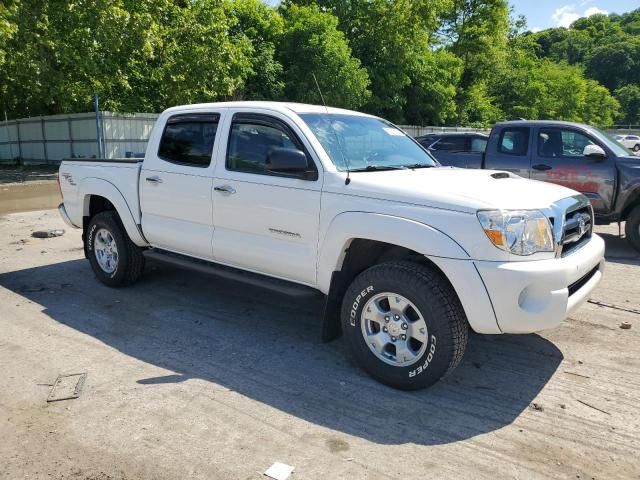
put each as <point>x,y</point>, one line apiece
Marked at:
<point>284,107</point>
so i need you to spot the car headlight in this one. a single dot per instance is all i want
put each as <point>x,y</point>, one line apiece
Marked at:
<point>521,232</point>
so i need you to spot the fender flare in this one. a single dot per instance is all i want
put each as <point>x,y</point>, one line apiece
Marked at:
<point>448,256</point>
<point>399,231</point>
<point>96,186</point>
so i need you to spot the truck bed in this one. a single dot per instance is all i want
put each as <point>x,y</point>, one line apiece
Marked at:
<point>121,174</point>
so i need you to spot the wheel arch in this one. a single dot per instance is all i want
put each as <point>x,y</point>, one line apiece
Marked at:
<point>631,203</point>
<point>100,195</point>
<point>348,254</point>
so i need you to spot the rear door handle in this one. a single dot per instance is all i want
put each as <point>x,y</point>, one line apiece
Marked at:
<point>153,179</point>
<point>225,189</point>
<point>542,166</point>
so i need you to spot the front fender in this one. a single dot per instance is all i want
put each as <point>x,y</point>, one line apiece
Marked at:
<point>398,231</point>
<point>453,260</point>
<point>97,186</point>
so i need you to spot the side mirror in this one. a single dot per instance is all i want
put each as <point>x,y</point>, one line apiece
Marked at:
<point>594,151</point>
<point>289,161</point>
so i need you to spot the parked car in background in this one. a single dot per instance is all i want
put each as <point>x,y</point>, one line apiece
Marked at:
<point>408,254</point>
<point>452,148</point>
<point>577,156</point>
<point>632,142</point>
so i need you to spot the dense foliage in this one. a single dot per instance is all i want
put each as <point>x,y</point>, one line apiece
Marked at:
<point>412,61</point>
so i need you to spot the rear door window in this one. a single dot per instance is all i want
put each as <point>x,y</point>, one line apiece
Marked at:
<point>451,143</point>
<point>188,139</point>
<point>514,141</point>
<point>478,144</point>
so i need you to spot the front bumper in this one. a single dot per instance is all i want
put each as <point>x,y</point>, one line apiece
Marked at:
<point>537,295</point>
<point>65,216</point>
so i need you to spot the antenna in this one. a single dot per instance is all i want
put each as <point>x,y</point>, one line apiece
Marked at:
<point>344,158</point>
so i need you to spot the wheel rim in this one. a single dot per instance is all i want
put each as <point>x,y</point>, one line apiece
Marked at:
<point>106,251</point>
<point>394,329</point>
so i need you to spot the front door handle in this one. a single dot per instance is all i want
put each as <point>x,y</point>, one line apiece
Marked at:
<point>154,180</point>
<point>541,166</point>
<point>225,189</point>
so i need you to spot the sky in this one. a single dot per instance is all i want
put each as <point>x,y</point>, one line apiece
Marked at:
<point>543,14</point>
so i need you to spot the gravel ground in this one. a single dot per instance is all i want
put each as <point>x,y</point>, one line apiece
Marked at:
<point>191,376</point>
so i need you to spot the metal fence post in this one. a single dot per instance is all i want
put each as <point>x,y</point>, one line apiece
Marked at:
<point>96,106</point>
<point>72,151</point>
<point>44,141</point>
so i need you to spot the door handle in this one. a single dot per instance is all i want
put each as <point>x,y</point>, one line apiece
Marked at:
<point>541,166</point>
<point>153,179</point>
<point>225,189</point>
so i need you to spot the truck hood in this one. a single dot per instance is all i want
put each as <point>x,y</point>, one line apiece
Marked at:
<point>457,189</point>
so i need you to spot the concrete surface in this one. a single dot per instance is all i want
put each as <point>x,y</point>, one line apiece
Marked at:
<point>193,377</point>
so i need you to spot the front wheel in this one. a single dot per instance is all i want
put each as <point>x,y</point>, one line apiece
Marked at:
<point>404,324</point>
<point>636,147</point>
<point>114,258</point>
<point>632,228</point>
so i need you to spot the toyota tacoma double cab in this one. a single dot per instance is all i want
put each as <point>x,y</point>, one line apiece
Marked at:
<point>574,155</point>
<point>408,254</point>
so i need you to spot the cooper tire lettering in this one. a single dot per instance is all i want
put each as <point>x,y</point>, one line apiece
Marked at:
<point>354,307</point>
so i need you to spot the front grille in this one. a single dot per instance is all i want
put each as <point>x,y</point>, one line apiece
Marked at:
<point>577,229</point>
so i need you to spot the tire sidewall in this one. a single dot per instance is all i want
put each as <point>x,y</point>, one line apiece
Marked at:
<point>632,228</point>
<point>107,222</point>
<point>432,364</point>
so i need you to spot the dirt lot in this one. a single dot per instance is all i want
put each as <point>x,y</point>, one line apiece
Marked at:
<point>194,377</point>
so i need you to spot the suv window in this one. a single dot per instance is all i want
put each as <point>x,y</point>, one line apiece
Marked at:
<point>557,142</point>
<point>253,137</point>
<point>514,141</point>
<point>188,139</point>
<point>451,143</point>
<point>478,144</point>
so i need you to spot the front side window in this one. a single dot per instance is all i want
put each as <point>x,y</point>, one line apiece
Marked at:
<point>557,142</point>
<point>253,138</point>
<point>188,139</point>
<point>514,141</point>
<point>355,142</point>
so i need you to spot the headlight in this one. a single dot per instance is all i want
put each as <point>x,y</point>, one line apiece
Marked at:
<point>521,232</point>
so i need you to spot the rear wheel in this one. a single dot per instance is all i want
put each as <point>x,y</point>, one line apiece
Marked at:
<point>632,228</point>
<point>404,324</point>
<point>114,258</point>
<point>636,147</point>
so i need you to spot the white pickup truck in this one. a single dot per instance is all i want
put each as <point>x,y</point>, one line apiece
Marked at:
<point>409,254</point>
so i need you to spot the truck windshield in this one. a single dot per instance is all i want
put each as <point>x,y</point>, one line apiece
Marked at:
<point>364,143</point>
<point>619,149</point>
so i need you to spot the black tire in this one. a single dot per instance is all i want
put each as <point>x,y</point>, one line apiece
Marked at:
<point>437,303</point>
<point>632,228</point>
<point>636,147</point>
<point>130,264</point>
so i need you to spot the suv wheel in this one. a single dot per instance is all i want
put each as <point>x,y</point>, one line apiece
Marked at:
<point>404,324</point>
<point>114,258</point>
<point>632,228</point>
<point>636,147</point>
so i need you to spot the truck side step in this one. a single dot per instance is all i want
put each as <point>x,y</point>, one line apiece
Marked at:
<point>233,274</point>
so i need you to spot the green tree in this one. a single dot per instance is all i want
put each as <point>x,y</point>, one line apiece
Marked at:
<point>312,44</point>
<point>616,64</point>
<point>262,26</point>
<point>629,98</point>
<point>394,41</point>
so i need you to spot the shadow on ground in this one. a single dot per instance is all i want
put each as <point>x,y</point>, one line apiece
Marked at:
<point>618,250</point>
<point>267,347</point>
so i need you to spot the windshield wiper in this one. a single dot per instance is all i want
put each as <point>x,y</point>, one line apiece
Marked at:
<point>419,165</point>
<point>378,168</point>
